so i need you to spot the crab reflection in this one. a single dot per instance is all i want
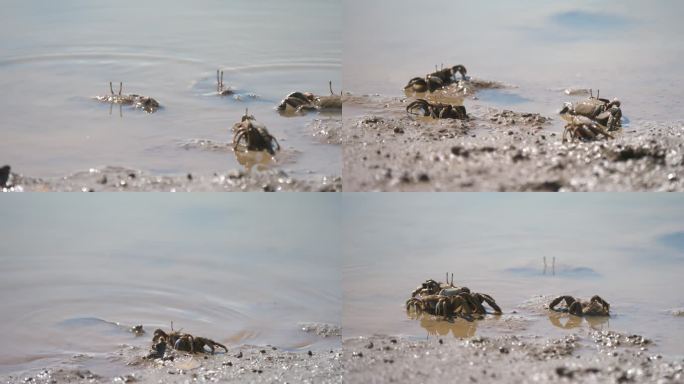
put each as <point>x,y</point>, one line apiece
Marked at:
<point>568,321</point>
<point>257,160</point>
<point>438,326</point>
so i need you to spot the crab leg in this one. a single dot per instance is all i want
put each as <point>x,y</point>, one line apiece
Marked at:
<point>120,87</point>
<point>110,88</point>
<point>222,80</point>
<point>569,300</point>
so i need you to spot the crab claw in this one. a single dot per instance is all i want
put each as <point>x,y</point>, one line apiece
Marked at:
<point>567,107</point>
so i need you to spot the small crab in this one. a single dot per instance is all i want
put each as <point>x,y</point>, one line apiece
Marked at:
<point>297,102</point>
<point>221,90</point>
<point>183,342</point>
<point>582,127</point>
<point>254,135</point>
<point>603,111</point>
<point>307,101</point>
<point>145,103</point>
<point>137,330</point>
<point>429,83</point>
<point>437,110</point>
<point>596,306</point>
<point>436,80</point>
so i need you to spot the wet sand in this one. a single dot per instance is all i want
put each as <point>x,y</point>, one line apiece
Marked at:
<point>582,357</point>
<point>500,150</point>
<point>253,364</point>
<point>117,179</point>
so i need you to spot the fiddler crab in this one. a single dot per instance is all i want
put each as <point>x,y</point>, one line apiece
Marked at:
<point>221,90</point>
<point>448,300</point>
<point>436,80</point>
<point>307,101</point>
<point>179,341</point>
<point>145,103</point>
<point>592,117</point>
<point>253,136</point>
<point>596,306</point>
<point>437,110</point>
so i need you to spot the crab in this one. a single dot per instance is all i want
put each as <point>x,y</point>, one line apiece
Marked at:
<point>183,342</point>
<point>145,103</point>
<point>603,111</point>
<point>436,80</point>
<point>437,110</point>
<point>221,90</point>
<point>446,299</point>
<point>596,306</point>
<point>297,102</point>
<point>582,127</point>
<point>254,135</point>
<point>307,101</point>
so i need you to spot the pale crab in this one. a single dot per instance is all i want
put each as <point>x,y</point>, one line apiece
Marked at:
<point>596,306</point>
<point>253,136</point>
<point>582,127</point>
<point>297,102</point>
<point>437,110</point>
<point>145,103</point>
<point>222,90</point>
<point>603,111</point>
<point>182,342</point>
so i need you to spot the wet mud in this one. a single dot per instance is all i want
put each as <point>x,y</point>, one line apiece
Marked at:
<point>386,149</point>
<point>585,356</point>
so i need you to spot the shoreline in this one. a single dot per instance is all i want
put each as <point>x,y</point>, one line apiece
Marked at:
<point>500,150</point>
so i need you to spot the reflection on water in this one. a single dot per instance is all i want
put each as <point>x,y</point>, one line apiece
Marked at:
<point>56,57</point>
<point>257,160</point>
<point>568,321</point>
<point>439,326</point>
<point>78,273</point>
<point>603,244</point>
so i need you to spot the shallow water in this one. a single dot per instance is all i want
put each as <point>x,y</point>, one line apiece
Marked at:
<point>56,57</point>
<point>234,270</point>
<point>627,49</point>
<point>626,248</point>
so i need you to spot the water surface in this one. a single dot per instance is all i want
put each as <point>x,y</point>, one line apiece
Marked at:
<point>236,270</point>
<point>628,49</point>
<point>626,248</point>
<point>54,57</point>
